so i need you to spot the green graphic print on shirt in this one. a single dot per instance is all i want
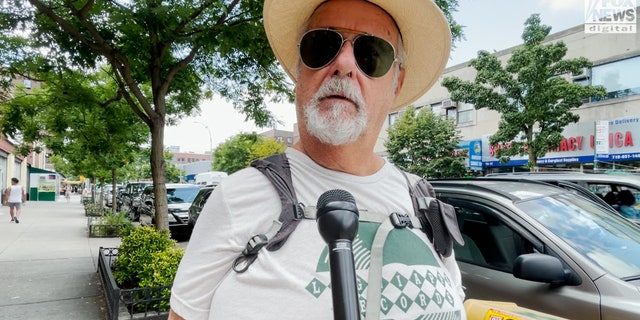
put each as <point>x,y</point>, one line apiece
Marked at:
<point>412,281</point>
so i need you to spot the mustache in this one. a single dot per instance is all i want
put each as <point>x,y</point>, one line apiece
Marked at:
<point>340,87</point>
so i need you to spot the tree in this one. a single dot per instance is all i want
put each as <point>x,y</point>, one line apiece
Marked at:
<point>160,53</point>
<point>531,93</point>
<point>92,131</point>
<point>171,47</point>
<point>425,144</point>
<point>238,151</point>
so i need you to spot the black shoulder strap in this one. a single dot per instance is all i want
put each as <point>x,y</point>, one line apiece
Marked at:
<point>438,219</point>
<point>276,168</point>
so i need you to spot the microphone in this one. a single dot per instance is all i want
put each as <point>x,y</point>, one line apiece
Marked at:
<point>337,218</point>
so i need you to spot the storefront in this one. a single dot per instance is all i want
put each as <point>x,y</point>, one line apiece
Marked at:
<point>605,145</point>
<point>43,184</point>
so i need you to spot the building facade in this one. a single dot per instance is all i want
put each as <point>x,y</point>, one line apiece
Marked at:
<point>283,136</point>
<point>616,66</point>
<point>14,165</point>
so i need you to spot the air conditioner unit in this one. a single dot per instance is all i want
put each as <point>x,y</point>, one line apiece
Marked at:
<point>584,73</point>
<point>448,104</point>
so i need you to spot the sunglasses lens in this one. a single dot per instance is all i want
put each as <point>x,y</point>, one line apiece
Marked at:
<point>373,55</point>
<point>319,47</point>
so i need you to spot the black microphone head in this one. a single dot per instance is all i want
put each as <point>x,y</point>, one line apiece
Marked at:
<point>334,195</point>
<point>337,215</point>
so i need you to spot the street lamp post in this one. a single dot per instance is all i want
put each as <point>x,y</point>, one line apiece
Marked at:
<point>209,131</point>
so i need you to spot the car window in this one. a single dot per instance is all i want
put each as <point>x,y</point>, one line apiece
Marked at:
<point>181,195</point>
<point>147,192</point>
<point>609,241</point>
<point>489,241</point>
<point>202,197</point>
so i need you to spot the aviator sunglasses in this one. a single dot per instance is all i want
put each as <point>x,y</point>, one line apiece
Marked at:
<point>374,56</point>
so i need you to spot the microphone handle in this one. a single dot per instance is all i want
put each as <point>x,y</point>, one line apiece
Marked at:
<point>343,281</point>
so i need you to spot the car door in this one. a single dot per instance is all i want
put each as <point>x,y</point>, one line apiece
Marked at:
<point>494,238</point>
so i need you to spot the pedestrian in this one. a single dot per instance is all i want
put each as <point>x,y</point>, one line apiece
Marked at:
<point>14,197</point>
<point>67,194</point>
<point>85,195</point>
<point>352,62</point>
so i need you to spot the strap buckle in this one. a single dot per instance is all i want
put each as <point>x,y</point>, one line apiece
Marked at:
<point>400,220</point>
<point>250,253</point>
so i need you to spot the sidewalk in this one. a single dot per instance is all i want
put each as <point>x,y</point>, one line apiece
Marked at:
<point>48,263</point>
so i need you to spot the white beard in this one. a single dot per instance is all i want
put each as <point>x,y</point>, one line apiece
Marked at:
<point>333,127</point>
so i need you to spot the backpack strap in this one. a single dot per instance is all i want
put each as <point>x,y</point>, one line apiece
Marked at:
<point>435,218</point>
<point>438,219</point>
<point>277,169</point>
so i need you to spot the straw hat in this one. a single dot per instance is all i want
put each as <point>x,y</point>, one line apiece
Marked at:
<point>425,34</point>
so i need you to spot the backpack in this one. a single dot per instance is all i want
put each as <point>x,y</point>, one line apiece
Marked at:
<point>435,218</point>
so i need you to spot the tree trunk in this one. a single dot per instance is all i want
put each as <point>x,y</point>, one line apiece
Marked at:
<point>101,196</point>
<point>532,161</point>
<point>158,174</point>
<point>114,192</point>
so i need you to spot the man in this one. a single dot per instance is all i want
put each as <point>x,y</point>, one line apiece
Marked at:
<point>353,62</point>
<point>14,197</point>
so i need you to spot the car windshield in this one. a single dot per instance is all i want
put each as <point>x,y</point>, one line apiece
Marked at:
<point>181,195</point>
<point>609,241</point>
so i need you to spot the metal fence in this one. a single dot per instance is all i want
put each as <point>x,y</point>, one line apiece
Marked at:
<point>133,303</point>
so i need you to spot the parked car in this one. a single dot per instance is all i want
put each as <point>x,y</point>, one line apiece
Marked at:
<point>130,198</point>
<point>197,205</point>
<point>179,199</point>
<point>571,186</point>
<point>604,185</point>
<point>108,193</point>
<point>544,248</point>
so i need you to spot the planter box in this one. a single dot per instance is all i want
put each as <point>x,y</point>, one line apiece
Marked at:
<point>93,211</point>
<point>136,303</point>
<point>98,228</point>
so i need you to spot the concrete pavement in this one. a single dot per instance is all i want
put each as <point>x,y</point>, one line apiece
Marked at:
<point>48,263</point>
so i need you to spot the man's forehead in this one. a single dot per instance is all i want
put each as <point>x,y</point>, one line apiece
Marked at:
<point>350,13</point>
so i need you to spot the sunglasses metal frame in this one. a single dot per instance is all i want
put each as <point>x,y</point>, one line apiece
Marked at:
<point>359,34</point>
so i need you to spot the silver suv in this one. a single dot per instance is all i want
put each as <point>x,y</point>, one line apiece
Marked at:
<point>544,248</point>
<point>179,199</point>
<point>605,185</point>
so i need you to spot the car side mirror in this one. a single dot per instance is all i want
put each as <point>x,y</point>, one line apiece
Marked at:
<point>544,268</point>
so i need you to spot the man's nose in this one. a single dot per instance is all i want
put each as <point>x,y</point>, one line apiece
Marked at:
<point>345,65</point>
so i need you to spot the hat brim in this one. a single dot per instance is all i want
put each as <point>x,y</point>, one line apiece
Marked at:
<point>425,34</point>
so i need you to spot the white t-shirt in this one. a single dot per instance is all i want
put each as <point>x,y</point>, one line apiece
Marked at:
<point>293,282</point>
<point>15,194</point>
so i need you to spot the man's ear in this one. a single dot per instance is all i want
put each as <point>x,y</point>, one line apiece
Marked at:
<point>400,82</point>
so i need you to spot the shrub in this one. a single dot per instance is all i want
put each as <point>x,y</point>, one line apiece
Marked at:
<point>136,252</point>
<point>117,223</point>
<point>160,272</point>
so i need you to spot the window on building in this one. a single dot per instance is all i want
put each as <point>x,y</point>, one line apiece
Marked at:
<point>452,113</point>
<point>436,108</point>
<point>289,140</point>
<point>279,139</point>
<point>27,83</point>
<point>620,78</point>
<point>465,113</point>
<point>393,117</point>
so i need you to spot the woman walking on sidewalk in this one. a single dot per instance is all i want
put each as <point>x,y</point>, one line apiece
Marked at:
<point>14,197</point>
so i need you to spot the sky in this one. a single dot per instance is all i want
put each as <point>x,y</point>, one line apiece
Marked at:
<point>489,25</point>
